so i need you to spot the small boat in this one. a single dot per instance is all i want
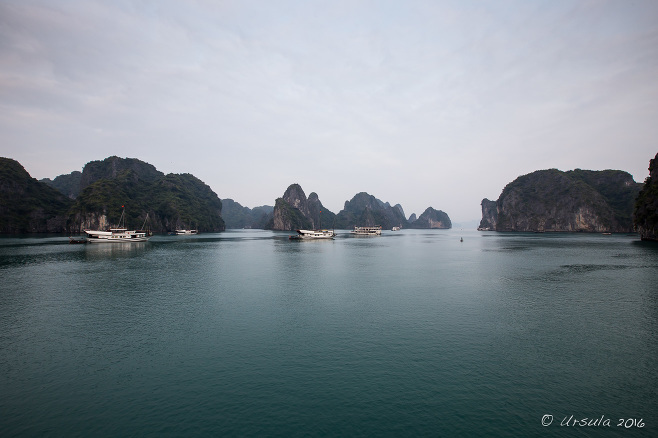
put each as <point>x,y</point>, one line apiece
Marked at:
<point>187,231</point>
<point>367,231</point>
<point>461,239</point>
<point>607,234</point>
<point>313,234</point>
<point>395,229</point>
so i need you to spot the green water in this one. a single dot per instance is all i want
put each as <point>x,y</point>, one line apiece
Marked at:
<point>245,333</point>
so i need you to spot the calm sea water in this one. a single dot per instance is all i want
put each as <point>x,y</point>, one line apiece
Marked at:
<point>414,333</point>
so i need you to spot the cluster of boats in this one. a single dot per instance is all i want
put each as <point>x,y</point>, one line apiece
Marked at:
<point>121,234</point>
<point>330,234</point>
<point>118,235</point>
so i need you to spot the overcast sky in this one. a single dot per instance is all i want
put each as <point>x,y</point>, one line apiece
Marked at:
<point>422,103</point>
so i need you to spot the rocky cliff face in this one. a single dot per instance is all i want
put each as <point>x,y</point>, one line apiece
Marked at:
<point>552,200</point>
<point>489,215</point>
<point>296,198</point>
<point>432,218</point>
<point>294,211</point>
<point>646,206</point>
<point>287,218</point>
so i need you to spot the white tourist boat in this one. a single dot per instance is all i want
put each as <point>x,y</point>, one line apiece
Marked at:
<point>116,235</point>
<point>119,234</point>
<point>367,231</point>
<point>187,231</point>
<point>313,234</point>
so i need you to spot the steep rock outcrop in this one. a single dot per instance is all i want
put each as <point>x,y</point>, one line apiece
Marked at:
<point>294,211</point>
<point>489,215</point>
<point>645,216</point>
<point>296,198</point>
<point>432,218</point>
<point>552,200</point>
<point>285,217</point>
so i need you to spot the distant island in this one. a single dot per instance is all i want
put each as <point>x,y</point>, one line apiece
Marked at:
<point>294,211</point>
<point>236,216</point>
<point>553,200</point>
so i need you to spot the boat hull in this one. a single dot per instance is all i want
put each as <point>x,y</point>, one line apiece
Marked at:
<point>117,239</point>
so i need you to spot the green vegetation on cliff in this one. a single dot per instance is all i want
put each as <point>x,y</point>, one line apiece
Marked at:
<point>69,184</point>
<point>237,216</point>
<point>112,167</point>
<point>552,200</point>
<point>27,205</point>
<point>616,187</point>
<point>364,210</point>
<point>171,201</point>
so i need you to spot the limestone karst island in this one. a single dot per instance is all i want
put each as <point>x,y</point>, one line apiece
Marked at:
<point>94,198</point>
<point>607,201</point>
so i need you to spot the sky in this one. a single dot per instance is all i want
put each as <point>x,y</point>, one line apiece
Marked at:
<point>422,103</point>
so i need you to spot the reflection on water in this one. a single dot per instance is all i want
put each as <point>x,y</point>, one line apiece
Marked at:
<point>102,250</point>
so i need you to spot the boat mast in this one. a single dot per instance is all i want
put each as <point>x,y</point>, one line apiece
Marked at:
<point>122,219</point>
